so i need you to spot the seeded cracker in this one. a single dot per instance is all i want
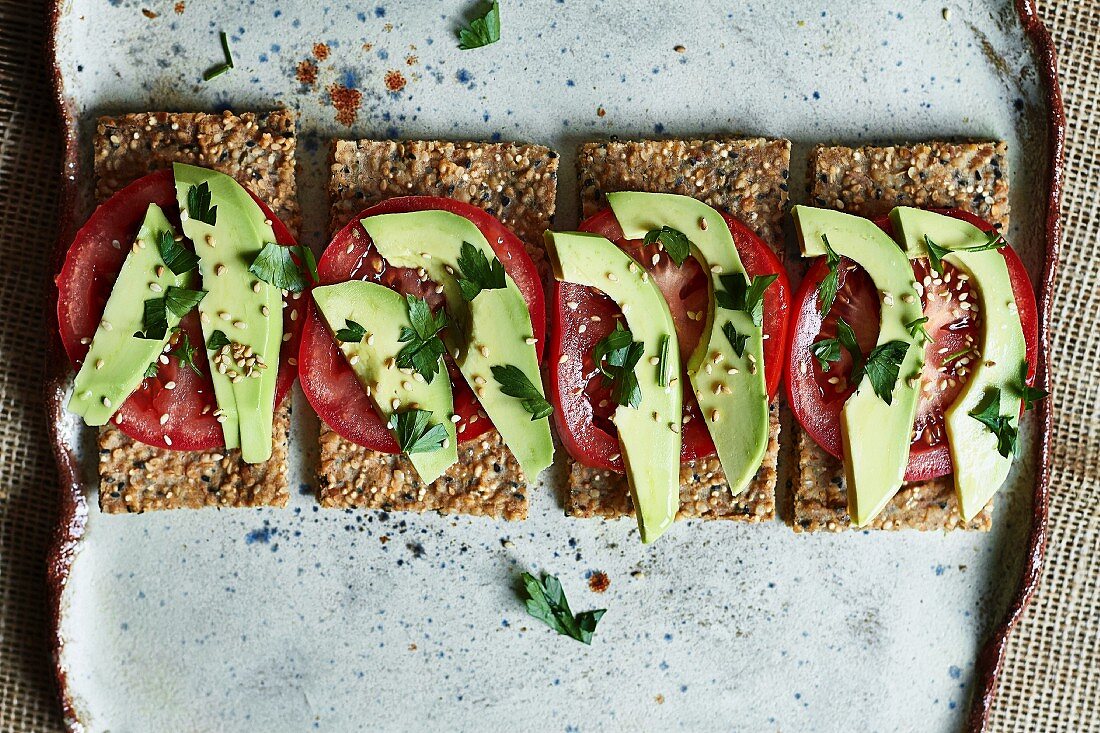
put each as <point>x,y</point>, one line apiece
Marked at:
<point>746,178</point>
<point>870,181</point>
<point>516,184</point>
<point>257,150</point>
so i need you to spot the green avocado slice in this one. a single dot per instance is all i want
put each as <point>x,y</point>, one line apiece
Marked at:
<point>979,469</point>
<point>382,313</point>
<point>117,359</point>
<point>875,435</point>
<point>492,330</point>
<point>650,435</point>
<point>730,387</point>
<point>240,305</point>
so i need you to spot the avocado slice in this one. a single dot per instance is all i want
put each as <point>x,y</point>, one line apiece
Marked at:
<point>494,329</point>
<point>875,435</point>
<point>730,388</point>
<point>650,435</point>
<point>117,359</point>
<point>383,312</point>
<point>979,469</point>
<point>240,305</point>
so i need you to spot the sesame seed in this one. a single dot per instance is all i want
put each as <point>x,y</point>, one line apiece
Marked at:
<point>907,298</point>
<point>164,418</point>
<point>294,315</point>
<point>455,418</point>
<point>219,269</point>
<point>530,341</point>
<point>564,358</point>
<point>225,316</point>
<point>210,240</point>
<point>716,269</point>
<point>703,223</point>
<point>350,248</point>
<point>582,328</point>
<point>163,359</point>
<point>654,360</point>
<point>106,401</point>
<point>611,276</point>
<point>240,324</point>
<point>572,305</point>
<point>256,287</point>
<point>159,270</point>
<point>106,325</point>
<point>395,403</point>
<point>655,258</point>
<point>85,341</point>
<point>265,310</point>
<point>167,440</point>
<point>370,339</point>
<point>98,363</point>
<point>354,359</point>
<point>116,244</point>
<point>170,385</point>
<point>714,416</point>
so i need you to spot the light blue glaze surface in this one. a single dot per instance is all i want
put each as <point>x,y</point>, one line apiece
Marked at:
<point>299,619</point>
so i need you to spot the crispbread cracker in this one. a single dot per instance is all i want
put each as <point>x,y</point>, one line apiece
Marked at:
<point>869,182</point>
<point>517,184</point>
<point>746,178</point>
<point>258,150</point>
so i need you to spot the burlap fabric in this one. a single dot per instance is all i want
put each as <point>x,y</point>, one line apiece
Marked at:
<point>1051,680</point>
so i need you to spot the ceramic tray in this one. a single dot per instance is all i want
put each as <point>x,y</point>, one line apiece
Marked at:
<point>299,618</point>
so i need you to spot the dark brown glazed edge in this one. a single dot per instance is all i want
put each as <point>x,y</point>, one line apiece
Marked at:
<point>987,666</point>
<point>74,509</point>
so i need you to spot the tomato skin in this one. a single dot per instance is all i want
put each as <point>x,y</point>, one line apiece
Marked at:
<point>328,380</point>
<point>820,417</point>
<point>583,428</point>
<point>84,284</point>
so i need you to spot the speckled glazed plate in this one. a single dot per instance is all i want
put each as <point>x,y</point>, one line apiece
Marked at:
<point>299,619</point>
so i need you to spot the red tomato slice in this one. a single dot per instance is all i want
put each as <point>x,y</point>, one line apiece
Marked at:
<point>816,397</point>
<point>91,266</point>
<point>582,316</point>
<point>328,381</point>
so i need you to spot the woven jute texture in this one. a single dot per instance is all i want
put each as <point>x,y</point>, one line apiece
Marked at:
<point>1051,680</point>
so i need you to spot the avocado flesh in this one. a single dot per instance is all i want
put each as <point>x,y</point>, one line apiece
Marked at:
<point>382,312</point>
<point>491,330</point>
<point>731,389</point>
<point>875,436</point>
<point>979,470</point>
<point>650,435</point>
<point>121,357</point>
<point>235,303</point>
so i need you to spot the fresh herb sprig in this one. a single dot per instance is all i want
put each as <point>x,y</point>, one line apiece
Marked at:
<point>481,31</point>
<point>827,351</point>
<point>423,347</point>
<point>737,339</point>
<point>185,351</point>
<point>216,71</point>
<point>988,413</point>
<point>953,357</point>
<point>478,272</point>
<point>275,265</point>
<point>217,340</point>
<point>675,242</point>
<point>936,253</point>
<point>1030,395</point>
<point>546,601</point>
<point>514,383</point>
<point>917,330</point>
<point>882,367</point>
<point>198,204</point>
<point>351,333</point>
<point>826,289</point>
<point>616,355</point>
<point>415,433</point>
<point>177,301</point>
<point>742,293</point>
<point>176,257</point>
<point>662,362</point>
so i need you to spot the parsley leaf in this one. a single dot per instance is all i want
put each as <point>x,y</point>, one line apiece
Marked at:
<point>414,434</point>
<point>662,362</point>
<point>423,347</point>
<point>217,340</point>
<point>616,355</point>
<point>180,301</point>
<point>151,370</point>
<point>154,320</point>
<point>276,266</point>
<point>740,293</point>
<point>351,333</point>
<point>936,253</point>
<point>309,261</point>
<point>176,257</point>
<point>478,273</point>
<point>737,340</point>
<point>481,31</point>
<point>826,290</point>
<point>828,350</point>
<point>882,367</point>
<point>956,356</point>
<point>674,241</point>
<point>546,601</point>
<point>916,329</point>
<point>988,413</point>
<point>514,383</point>
<point>1030,395</point>
<point>185,352</point>
<point>198,204</point>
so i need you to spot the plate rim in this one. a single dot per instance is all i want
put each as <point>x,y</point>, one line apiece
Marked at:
<point>73,508</point>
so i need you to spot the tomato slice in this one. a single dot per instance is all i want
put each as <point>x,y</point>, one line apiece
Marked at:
<point>816,396</point>
<point>581,316</point>
<point>329,382</point>
<point>84,284</point>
